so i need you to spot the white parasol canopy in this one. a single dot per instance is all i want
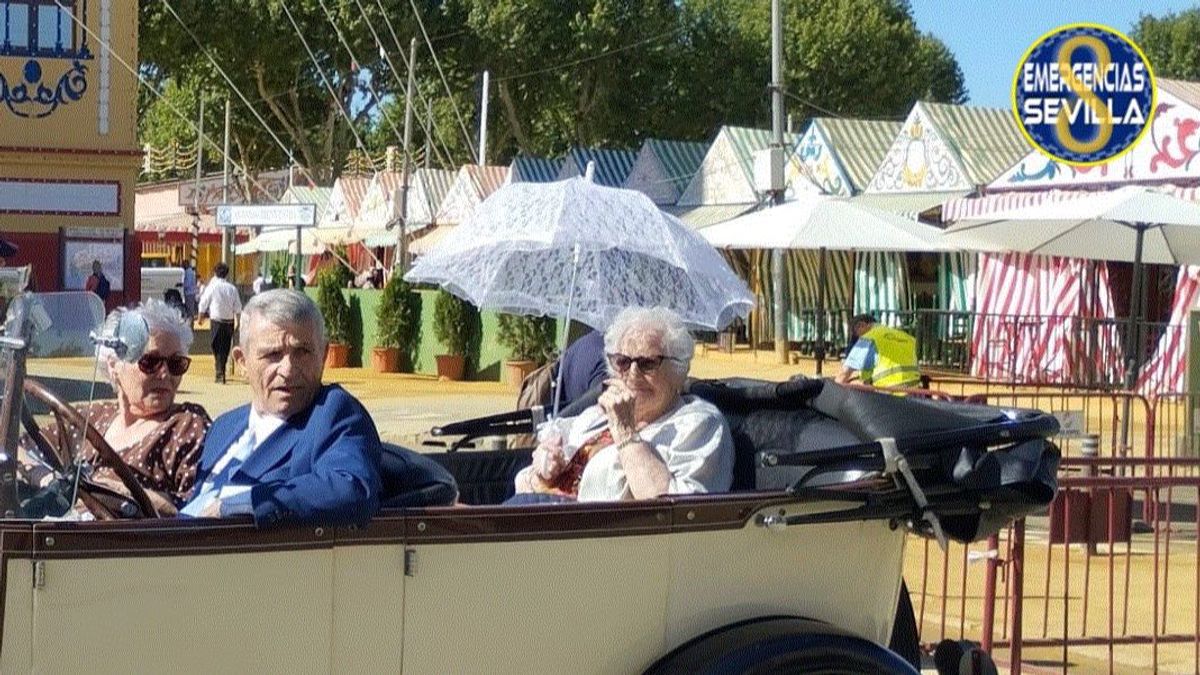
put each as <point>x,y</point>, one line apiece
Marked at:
<point>576,249</point>
<point>816,221</point>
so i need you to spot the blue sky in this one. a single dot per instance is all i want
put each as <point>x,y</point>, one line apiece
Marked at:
<point>989,36</point>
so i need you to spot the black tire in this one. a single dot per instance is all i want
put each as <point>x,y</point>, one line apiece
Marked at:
<point>783,646</point>
<point>906,637</point>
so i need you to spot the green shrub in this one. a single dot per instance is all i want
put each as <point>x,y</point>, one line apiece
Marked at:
<point>399,314</point>
<point>528,338</point>
<point>452,322</point>
<point>334,308</point>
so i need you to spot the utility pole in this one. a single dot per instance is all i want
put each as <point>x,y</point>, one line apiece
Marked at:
<point>195,254</point>
<point>428,129</point>
<point>401,261</point>
<point>779,306</point>
<point>483,120</point>
<point>227,232</point>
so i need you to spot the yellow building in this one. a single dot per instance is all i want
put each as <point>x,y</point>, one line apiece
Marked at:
<point>69,158</point>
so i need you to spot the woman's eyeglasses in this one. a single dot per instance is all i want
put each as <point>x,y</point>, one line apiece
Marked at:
<point>646,364</point>
<point>177,364</point>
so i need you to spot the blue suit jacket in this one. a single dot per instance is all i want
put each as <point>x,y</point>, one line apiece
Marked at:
<point>321,466</point>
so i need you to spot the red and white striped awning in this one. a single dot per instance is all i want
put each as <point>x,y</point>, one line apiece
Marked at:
<point>978,208</point>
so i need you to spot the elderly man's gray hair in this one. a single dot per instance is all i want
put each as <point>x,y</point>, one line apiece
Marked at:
<point>677,342</point>
<point>160,318</point>
<point>282,306</point>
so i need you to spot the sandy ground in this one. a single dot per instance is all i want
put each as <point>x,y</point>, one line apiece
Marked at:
<point>406,406</point>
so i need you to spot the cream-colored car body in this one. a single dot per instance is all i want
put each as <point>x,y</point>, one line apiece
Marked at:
<point>581,589</point>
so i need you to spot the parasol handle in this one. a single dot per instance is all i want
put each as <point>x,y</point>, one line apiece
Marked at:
<point>566,329</point>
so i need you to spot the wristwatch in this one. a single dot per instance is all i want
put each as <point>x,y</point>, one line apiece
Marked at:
<point>635,438</point>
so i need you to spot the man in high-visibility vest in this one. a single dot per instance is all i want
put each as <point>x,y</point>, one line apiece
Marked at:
<point>882,356</point>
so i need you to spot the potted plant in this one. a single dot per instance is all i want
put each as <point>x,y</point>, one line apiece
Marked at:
<point>452,327</point>
<point>336,311</point>
<point>399,319</point>
<point>530,343</point>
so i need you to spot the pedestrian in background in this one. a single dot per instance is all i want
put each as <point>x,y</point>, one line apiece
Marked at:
<point>190,289</point>
<point>222,304</point>
<point>98,283</point>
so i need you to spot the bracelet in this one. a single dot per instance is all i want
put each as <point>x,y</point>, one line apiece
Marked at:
<point>629,441</point>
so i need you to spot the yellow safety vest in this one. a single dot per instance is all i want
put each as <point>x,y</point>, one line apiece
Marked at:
<point>895,358</point>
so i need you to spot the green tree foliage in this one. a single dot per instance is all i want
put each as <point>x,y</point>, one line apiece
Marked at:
<point>1171,43</point>
<point>334,308</point>
<point>257,46</point>
<point>452,321</point>
<point>528,338</point>
<point>564,72</point>
<point>399,314</point>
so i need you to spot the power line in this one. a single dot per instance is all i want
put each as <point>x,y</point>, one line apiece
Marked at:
<point>461,124</point>
<point>430,131</point>
<point>594,57</point>
<point>211,59</point>
<point>328,86</point>
<point>354,58</point>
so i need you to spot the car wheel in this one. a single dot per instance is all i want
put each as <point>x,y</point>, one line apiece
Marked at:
<point>780,645</point>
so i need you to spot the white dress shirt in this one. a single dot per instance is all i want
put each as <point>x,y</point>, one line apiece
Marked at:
<point>235,499</point>
<point>220,300</point>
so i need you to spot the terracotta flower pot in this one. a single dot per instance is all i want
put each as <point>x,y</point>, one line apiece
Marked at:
<point>451,366</point>
<point>337,355</point>
<point>516,371</point>
<point>385,359</point>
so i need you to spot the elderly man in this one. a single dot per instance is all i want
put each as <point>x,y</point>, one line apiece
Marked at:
<point>300,452</point>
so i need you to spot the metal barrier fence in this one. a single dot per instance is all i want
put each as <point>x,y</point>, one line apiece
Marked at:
<point>1108,579</point>
<point>1030,349</point>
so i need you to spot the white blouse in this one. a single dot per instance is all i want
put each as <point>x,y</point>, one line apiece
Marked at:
<point>692,440</point>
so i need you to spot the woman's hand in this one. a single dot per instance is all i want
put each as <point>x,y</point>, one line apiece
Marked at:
<point>548,459</point>
<point>618,405</point>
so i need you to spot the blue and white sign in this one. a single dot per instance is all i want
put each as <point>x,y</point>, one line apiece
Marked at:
<point>1084,94</point>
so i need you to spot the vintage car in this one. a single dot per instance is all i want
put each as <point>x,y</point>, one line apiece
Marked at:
<point>797,569</point>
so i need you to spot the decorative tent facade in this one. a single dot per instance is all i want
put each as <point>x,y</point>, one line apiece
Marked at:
<point>841,155</point>
<point>1168,153</point>
<point>663,169</point>
<point>944,151</point>
<point>472,184</point>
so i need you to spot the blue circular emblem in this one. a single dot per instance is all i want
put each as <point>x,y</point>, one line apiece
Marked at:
<point>1084,94</point>
<point>33,72</point>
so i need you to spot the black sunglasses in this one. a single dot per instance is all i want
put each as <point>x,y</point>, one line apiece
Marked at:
<point>177,364</point>
<point>646,364</point>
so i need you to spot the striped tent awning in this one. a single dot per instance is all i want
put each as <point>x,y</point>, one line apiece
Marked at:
<point>680,159</point>
<point>178,223</point>
<point>910,204</point>
<point>612,166</point>
<point>530,169</point>
<point>700,217</point>
<point>979,208</point>
<point>1166,370</point>
<point>858,145</point>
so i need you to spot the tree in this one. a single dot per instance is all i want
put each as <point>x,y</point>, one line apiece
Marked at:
<point>1171,43</point>
<point>256,45</point>
<point>856,58</point>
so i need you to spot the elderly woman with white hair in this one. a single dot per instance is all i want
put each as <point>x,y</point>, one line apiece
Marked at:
<point>644,438</point>
<point>160,439</point>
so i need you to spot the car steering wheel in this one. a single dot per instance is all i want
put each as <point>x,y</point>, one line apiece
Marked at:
<point>66,416</point>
